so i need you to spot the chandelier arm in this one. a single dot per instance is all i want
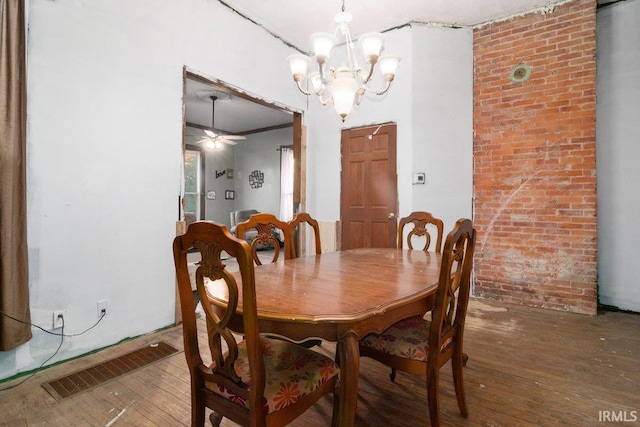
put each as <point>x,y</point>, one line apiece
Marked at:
<point>323,102</point>
<point>321,72</point>
<point>358,97</point>
<point>385,90</point>
<point>299,85</point>
<point>365,81</point>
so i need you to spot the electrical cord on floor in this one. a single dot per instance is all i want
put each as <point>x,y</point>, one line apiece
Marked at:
<point>56,333</point>
<point>61,335</point>
<point>43,363</point>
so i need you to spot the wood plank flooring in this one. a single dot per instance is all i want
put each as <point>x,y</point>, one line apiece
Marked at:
<point>527,367</point>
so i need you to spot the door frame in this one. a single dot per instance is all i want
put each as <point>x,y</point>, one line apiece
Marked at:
<point>299,148</point>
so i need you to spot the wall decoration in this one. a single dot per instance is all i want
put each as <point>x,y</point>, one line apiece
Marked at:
<point>229,173</point>
<point>211,194</point>
<point>229,194</point>
<point>219,174</point>
<point>256,178</point>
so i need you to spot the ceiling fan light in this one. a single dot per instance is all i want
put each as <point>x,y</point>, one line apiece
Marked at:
<point>210,145</point>
<point>371,45</point>
<point>217,145</point>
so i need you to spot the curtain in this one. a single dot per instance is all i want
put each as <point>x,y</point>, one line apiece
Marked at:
<point>14,273</point>
<point>286,183</point>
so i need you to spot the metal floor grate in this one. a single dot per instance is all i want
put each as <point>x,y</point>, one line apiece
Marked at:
<point>101,373</point>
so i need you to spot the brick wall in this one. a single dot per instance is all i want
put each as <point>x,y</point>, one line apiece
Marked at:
<point>535,160</point>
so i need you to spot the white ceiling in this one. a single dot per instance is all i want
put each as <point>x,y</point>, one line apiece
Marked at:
<point>232,115</point>
<point>294,20</point>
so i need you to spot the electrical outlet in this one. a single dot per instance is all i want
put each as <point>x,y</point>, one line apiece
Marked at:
<point>58,319</point>
<point>103,307</point>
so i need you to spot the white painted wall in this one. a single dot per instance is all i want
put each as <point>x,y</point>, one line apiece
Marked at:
<point>105,85</point>
<point>219,161</point>
<point>618,127</point>
<point>431,101</point>
<point>260,152</point>
<point>442,109</point>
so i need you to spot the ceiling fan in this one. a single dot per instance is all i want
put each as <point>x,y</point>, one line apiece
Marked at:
<point>214,140</point>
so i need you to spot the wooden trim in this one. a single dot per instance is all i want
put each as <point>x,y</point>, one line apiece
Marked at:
<point>298,136</point>
<point>225,87</point>
<point>246,132</point>
<point>265,129</point>
<point>202,127</point>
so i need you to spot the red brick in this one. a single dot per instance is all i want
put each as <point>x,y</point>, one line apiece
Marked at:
<point>534,165</point>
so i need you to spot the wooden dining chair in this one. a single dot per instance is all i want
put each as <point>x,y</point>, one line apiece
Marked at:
<point>422,347</point>
<point>294,224</point>
<point>421,221</point>
<point>257,381</point>
<point>268,226</point>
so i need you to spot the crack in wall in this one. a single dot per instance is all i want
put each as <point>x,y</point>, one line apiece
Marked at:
<point>508,200</point>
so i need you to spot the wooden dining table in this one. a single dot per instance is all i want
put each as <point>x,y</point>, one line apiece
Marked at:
<point>341,297</point>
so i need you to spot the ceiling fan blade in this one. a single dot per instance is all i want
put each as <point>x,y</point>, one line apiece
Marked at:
<point>232,136</point>
<point>228,141</point>
<point>209,133</point>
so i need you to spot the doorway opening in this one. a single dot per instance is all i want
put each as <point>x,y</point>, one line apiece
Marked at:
<point>252,131</point>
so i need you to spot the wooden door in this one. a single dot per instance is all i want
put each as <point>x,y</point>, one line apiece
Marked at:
<point>369,193</point>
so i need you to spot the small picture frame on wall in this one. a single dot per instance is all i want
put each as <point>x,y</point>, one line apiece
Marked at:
<point>229,173</point>
<point>211,195</point>
<point>229,194</point>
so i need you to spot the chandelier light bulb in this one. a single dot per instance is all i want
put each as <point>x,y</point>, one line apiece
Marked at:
<point>323,45</point>
<point>371,45</point>
<point>298,65</point>
<point>343,90</point>
<point>389,65</point>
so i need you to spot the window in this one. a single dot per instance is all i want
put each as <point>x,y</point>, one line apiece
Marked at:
<point>286,183</point>
<point>192,182</point>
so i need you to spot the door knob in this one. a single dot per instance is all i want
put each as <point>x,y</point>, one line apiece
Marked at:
<point>391,215</point>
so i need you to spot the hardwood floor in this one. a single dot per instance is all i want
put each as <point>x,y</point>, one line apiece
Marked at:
<point>527,367</point>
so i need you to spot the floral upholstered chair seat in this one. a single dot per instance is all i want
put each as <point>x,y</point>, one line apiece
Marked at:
<point>292,371</point>
<point>408,338</point>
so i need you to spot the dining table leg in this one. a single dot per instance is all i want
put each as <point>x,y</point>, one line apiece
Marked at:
<point>348,355</point>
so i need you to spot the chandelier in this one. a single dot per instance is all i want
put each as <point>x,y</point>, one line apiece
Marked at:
<point>345,85</point>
